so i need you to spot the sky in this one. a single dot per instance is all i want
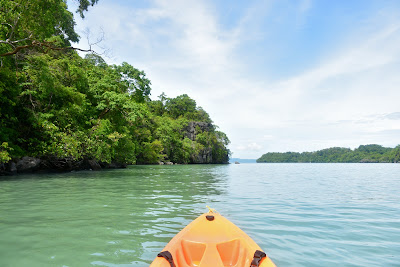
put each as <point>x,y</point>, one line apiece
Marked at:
<point>274,75</point>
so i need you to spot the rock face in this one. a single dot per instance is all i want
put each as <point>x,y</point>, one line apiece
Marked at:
<point>191,132</point>
<point>28,164</point>
<point>192,129</point>
<point>94,165</point>
<point>63,164</point>
<point>12,168</point>
<point>112,165</point>
<point>31,164</point>
<point>9,168</point>
<point>206,155</point>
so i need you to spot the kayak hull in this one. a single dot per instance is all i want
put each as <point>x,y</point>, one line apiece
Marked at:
<point>211,240</point>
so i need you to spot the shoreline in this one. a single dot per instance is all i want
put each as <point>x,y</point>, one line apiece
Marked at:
<point>32,165</point>
<point>26,165</point>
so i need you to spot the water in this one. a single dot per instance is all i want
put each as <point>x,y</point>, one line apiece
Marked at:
<point>300,214</point>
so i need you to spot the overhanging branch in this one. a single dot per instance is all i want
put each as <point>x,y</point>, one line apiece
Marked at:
<point>48,45</point>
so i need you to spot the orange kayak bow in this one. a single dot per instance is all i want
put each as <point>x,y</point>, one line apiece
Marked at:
<point>212,241</point>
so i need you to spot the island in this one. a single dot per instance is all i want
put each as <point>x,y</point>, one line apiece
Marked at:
<point>62,111</point>
<point>363,154</point>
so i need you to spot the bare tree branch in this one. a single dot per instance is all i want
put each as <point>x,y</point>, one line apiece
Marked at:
<point>99,39</point>
<point>49,45</point>
<point>22,40</point>
<point>16,50</point>
<point>7,24</point>
<point>41,44</point>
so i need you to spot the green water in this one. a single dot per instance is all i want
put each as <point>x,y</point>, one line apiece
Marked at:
<point>300,214</point>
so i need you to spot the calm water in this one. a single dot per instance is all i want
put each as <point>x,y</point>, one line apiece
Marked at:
<point>300,214</point>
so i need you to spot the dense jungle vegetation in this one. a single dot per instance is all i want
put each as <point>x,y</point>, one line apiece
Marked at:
<point>364,153</point>
<point>56,104</point>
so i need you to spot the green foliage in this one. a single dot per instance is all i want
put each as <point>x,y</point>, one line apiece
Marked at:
<point>170,133</point>
<point>27,26</point>
<point>135,81</point>
<point>84,5</point>
<point>60,105</point>
<point>395,154</point>
<point>9,91</point>
<point>53,103</point>
<point>216,143</point>
<point>5,152</point>
<point>179,107</point>
<point>39,19</point>
<point>95,60</point>
<point>364,153</point>
<point>152,152</point>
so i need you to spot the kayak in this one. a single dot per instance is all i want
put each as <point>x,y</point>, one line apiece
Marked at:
<point>212,241</point>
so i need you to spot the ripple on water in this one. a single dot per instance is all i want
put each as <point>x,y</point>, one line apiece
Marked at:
<point>300,214</point>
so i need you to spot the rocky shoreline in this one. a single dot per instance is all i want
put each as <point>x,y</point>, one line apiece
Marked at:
<point>47,165</point>
<point>37,165</point>
<point>29,164</point>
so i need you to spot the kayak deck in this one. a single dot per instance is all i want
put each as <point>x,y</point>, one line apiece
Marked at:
<point>212,240</point>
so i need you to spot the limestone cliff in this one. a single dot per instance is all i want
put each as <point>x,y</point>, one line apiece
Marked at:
<point>205,155</point>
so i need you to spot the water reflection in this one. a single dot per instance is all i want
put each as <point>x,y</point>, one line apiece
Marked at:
<point>300,214</point>
<point>108,218</point>
<point>170,197</point>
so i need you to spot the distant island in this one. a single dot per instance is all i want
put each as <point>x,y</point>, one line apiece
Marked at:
<point>363,154</point>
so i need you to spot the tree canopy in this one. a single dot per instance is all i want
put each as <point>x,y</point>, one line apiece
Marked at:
<point>56,104</point>
<point>37,25</point>
<point>364,153</point>
<point>61,105</point>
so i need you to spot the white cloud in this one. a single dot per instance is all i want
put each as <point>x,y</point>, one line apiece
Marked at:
<point>392,116</point>
<point>184,49</point>
<point>250,147</point>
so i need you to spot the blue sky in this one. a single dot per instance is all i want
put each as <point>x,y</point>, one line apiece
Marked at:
<point>296,75</point>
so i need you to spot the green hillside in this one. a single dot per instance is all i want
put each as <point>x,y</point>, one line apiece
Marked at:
<point>364,153</point>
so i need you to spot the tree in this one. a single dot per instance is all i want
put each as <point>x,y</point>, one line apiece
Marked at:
<point>84,5</point>
<point>136,83</point>
<point>30,25</point>
<point>56,105</point>
<point>184,106</point>
<point>395,157</point>
<point>364,153</point>
<point>4,152</point>
<point>180,105</point>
